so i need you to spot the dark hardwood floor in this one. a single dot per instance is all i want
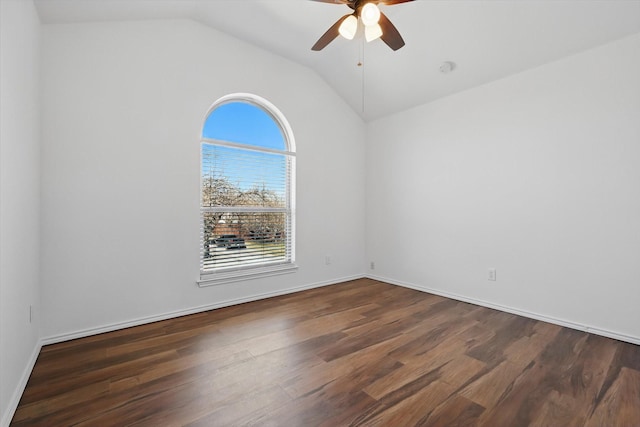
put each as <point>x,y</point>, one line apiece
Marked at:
<point>357,353</point>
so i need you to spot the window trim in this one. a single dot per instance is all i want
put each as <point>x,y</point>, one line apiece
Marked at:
<point>220,278</point>
<point>212,278</point>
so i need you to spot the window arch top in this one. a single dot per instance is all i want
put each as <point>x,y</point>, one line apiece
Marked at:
<point>244,122</point>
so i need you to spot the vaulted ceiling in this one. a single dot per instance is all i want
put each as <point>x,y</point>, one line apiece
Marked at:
<point>487,40</point>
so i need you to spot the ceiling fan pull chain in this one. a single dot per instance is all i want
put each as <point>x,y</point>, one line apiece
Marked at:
<point>362,67</point>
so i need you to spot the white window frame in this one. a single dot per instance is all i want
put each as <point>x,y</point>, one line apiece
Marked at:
<point>210,278</point>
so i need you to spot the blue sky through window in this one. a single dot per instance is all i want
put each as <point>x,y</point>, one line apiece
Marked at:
<point>244,123</point>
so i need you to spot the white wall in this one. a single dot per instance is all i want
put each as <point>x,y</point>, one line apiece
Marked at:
<point>123,105</point>
<point>19,198</point>
<point>537,175</point>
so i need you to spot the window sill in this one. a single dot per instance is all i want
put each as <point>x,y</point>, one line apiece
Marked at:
<point>220,278</point>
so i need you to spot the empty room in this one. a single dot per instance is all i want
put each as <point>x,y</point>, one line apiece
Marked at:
<point>320,213</point>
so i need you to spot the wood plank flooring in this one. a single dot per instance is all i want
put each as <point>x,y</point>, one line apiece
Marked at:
<point>360,353</point>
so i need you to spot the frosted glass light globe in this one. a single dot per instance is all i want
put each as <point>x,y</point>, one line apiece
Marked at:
<point>370,14</point>
<point>372,32</point>
<point>349,27</point>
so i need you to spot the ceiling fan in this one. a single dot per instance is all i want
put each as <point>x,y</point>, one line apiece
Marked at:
<point>376,24</point>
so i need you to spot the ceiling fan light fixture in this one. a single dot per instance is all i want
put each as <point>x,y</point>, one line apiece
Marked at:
<point>375,24</point>
<point>370,14</point>
<point>372,32</point>
<point>349,27</point>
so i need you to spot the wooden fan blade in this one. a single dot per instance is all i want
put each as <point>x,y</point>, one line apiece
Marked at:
<point>340,1</point>
<point>390,2</point>
<point>350,3</point>
<point>330,35</point>
<point>390,34</point>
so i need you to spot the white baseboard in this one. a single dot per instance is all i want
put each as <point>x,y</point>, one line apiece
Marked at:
<point>170,315</point>
<point>143,320</point>
<point>524,313</point>
<point>17,394</point>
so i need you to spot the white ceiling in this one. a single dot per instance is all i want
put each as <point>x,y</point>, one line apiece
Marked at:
<point>487,40</point>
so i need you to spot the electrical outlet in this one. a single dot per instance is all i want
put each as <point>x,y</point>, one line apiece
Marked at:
<point>492,274</point>
<point>327,260</point>
<point>372,265</point>
<point>30,314</point>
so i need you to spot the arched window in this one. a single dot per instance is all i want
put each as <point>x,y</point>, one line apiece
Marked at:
<point>247,191</point>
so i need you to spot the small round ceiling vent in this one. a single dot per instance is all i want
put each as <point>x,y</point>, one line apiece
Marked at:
<point>447,67</point>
